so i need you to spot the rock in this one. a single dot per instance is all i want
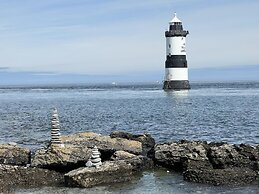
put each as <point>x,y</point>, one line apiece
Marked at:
<point>77,151</point>
<point>139,163</point>
<point>14,155</point>
<point>12,177</point>
<point>61,159</point>
<point>226,155</point>
<point>147,141</point>
<point>109,172</point>
<point>229,176</point>
<point>122,155</point>
<point>176,154</point>
<point>214,163</point>
<point>106,145</point>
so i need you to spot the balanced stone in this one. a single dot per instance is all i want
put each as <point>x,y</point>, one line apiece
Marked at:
<point>55,130</point>
<point>95,159</point>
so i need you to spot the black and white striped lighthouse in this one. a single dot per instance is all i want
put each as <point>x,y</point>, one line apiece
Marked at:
<point>176,70</point>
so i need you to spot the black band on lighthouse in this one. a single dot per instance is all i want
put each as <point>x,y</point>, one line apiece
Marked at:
<point>178,61</point>
<point>176,85</point>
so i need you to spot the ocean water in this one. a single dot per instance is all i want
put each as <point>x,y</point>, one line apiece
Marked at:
<point>209,111</point>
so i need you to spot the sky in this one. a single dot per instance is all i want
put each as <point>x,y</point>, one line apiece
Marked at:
<point>89,40</point>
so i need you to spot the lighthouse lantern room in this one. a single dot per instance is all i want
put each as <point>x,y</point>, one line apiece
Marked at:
<point>176,70</point>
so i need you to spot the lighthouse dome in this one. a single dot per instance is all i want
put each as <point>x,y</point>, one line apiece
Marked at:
<point>175,20</point>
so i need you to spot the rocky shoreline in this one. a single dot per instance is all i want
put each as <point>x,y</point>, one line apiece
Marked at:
<point>123,155</point>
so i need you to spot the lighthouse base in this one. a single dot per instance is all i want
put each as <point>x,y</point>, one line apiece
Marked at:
<point>176,85</point>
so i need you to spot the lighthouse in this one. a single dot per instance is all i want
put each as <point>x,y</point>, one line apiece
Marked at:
<point>176,70</point>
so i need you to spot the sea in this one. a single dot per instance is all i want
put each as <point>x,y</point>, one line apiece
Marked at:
<point>227,111</point>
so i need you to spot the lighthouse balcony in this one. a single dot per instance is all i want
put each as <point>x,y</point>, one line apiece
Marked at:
<point>171,33</point>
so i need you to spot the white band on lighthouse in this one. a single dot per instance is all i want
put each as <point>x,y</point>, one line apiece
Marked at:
<point>175,45</point>
<point>175,74</point>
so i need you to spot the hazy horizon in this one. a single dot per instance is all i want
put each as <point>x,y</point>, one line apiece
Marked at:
<point>239,73</point>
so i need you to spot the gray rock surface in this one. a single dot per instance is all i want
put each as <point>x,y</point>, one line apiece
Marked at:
<point>61,158</point>
<point>147,141</point>
<point>138,162</point>
<point>12,177</point>
<point>109,172</point>
<point>122,155</point>
<point>14,155</point>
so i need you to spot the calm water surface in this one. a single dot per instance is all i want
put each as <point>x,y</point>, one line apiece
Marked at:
<point>212,111</point>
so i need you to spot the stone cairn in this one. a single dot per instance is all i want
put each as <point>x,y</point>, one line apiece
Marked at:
<point>95,160</point>
<point>55,130</point>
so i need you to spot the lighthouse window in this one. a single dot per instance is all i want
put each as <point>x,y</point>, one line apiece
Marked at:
<point>169,45</point>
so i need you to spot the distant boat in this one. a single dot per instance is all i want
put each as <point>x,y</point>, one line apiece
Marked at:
<point>114,83</point>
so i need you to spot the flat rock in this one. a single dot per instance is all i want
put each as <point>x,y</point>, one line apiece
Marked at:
<point>14,155</point>
<point>122,155</point>
<point>109,172</point>
<point>148,142</point>
<point>105,144</point>
<point>12,177</point>
<point>61,158</point>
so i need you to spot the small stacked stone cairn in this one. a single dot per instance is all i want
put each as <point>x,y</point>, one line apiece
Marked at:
<point>55,130</point>
<point>95,159</point>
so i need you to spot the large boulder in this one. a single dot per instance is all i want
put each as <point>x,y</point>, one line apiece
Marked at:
<point>109,172</point>
<point>14,155</point>
<point>12,177</point>
<point>147,141</point>
<point>177,154</point>
<point>106,145</point>
<point>61,158</point>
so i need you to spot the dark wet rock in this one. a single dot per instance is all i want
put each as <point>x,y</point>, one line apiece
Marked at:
<point>106,145</point>
<point>14,155</point>
<point>227,155</point>
<point>140,163</point>
<point>12,177</point>
<point>109,172</point>
<point>177,154</point>
<point>214,163</point>
<point>60,158</point>
<point>229,176</point>
<point>147,141</point>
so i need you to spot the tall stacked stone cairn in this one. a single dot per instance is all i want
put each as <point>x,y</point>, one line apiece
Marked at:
<point>95,160</point>
<point>55,130</point>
